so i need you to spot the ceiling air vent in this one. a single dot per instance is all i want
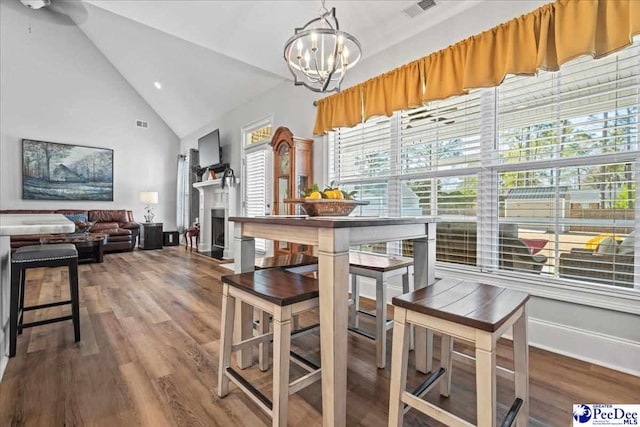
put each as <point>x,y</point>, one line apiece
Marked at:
<point>418,8</point>
<point>142,124</point>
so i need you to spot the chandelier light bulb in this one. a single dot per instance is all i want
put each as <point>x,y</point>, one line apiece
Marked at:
<point>319,54</point>
<point>299,45</point>
<point>307,59</point>
<point>345,53</point>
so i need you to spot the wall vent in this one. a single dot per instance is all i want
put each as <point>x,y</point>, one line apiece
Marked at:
<point>142,124</point>
<point>419,8</point>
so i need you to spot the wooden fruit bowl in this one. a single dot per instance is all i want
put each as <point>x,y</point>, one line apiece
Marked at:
<point>327,207</point>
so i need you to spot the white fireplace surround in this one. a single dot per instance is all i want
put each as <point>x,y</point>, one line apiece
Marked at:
<point>213,196</point>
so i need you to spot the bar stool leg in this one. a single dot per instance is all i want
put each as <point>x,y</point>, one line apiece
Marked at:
<point>521,367</point>
<point>263,347</point>
<point>281,349</point>
<point>399,361</point>
<point>23,279</point>
<point>446,350</point>
<point>485,379</point>
<point>355,296</point>
<point>424,252</point>
<point>75,297</point>
<point>406,288</point>
<point>381,323</point>
<point>226,339</point>
<point>16,271</point>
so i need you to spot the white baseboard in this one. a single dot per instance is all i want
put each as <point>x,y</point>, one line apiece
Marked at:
<point>593,347</point>
<point>599,349</point>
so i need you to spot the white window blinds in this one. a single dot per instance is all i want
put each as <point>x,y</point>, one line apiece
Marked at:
<point>544,168</point>
<point>256,188</point>
<point>443,136</point>
<point>568,149</point>
<point>363,151</point>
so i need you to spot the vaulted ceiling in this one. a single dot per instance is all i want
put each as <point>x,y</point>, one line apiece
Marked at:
<point>213,56</point>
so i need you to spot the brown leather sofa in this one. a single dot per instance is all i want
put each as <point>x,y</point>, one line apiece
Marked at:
<point>118,224</point>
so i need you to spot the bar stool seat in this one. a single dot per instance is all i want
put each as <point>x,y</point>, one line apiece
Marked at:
<point>473,312</point>
<point>54,255</point>
<point>381,268</point>
<point>282,294</point>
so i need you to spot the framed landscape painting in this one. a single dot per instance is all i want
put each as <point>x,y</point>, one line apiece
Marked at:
<point>52,171</point>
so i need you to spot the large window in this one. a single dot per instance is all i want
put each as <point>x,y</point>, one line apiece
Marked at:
<point>534,178</point>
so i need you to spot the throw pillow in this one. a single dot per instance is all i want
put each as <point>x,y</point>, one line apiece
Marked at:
<point>82,217</point>
<point>607,246</point>
<point>628,245</point>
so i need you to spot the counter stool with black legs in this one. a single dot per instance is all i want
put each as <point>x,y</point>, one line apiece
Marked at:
<point>282,294</point>
<point>57,255</point>
<point>473,312</point>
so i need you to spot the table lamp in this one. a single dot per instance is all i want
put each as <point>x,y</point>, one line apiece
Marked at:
<point>150,198</point>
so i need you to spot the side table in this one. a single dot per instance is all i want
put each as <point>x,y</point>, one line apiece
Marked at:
<point>150,235</point>
<point>189,233</point>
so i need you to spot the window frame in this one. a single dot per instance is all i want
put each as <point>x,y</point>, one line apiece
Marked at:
<point>248,148</point>
<point>488,189</point>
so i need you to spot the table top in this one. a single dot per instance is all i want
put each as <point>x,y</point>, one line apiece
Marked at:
<point>333,221</point>
<point>21,224</point>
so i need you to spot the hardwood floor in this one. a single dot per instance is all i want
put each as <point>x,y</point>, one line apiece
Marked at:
<point>149,354</point>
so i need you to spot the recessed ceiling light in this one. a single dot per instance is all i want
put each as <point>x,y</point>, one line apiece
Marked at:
<point>158,85</point>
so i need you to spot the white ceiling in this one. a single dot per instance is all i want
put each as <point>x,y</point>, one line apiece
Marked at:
<point>214,56</point>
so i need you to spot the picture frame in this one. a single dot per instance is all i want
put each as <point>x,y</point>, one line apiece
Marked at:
<point>56,171</point>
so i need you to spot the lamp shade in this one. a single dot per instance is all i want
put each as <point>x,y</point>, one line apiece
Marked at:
<point>149,197</point>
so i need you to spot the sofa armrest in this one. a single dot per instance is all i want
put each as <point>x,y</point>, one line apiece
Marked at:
<point>610,269</point>
<point>129,225</point>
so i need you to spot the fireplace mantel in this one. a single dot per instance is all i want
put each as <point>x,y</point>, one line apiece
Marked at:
<point>213,196</point>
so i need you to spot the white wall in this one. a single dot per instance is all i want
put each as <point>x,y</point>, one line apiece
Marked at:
<point>599,335</point>
<point>56,86</point>
<point>289,106</point>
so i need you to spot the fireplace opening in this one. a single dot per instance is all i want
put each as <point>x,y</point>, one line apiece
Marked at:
<point>217,233</point>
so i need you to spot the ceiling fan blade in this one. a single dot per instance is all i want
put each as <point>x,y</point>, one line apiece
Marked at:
<point>72,10</point>
<point>59,12</point>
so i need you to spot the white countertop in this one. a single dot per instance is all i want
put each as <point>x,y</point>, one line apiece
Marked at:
<point>20,224</point>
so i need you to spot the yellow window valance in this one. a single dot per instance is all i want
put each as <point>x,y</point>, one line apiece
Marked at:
<point>541,40</point>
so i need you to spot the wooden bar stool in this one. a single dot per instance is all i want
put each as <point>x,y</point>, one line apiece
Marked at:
<point>296,262</point>
<point>57,255</point>
<point>381,268</point>
<point>281,294</point>
<point>472,312</point>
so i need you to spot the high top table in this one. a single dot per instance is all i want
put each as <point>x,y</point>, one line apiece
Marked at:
<point>333,236</point>
<point>14,225</point>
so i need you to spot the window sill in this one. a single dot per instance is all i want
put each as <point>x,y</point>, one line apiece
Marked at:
<point>626,300</point>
